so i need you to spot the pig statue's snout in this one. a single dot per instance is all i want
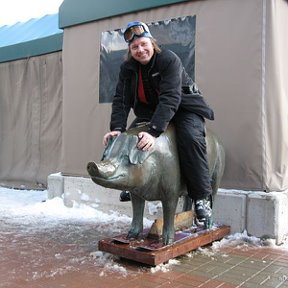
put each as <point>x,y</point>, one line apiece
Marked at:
<point>92,168</point>
<point>105,169</point>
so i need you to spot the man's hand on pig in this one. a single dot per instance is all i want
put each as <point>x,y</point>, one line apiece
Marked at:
<point>108,135</point>
<point>146,141</point>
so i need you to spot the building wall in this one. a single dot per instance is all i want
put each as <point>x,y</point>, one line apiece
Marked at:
<point>232,59</point>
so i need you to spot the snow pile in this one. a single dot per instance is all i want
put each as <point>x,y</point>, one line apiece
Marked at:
<point>27,205</point>
<point>245,239</point>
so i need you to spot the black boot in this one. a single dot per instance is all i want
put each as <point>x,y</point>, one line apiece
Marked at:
<point>125,196</point>
<point>203,209</point>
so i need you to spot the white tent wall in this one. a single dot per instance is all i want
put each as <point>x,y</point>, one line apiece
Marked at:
<point>30,120</point>
<point>231,70</point>
<point>275,95</point>
<point>228,55</point>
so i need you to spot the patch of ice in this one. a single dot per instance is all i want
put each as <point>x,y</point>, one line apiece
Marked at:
<point>107,260</point>
<point>116,268</point>
<point>164,267</point>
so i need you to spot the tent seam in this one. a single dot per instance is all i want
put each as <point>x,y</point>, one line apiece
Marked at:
<point>263,102</point>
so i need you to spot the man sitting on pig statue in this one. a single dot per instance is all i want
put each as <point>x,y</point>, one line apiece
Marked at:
<point>153,82</point>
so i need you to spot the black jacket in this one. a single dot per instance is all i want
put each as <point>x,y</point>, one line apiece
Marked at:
<point>174,89</point>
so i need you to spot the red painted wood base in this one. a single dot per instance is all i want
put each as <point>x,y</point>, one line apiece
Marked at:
<point>153,252</point>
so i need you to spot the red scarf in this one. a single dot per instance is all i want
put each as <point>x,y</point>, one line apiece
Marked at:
<point>141,92</point>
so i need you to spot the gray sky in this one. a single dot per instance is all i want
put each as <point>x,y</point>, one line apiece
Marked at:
<point>13,11</point>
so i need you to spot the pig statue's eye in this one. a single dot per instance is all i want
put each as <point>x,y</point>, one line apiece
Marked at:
<point>125,159</point>
<point>137,156</point>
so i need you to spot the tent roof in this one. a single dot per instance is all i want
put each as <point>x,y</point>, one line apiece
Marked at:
<point>34,37</point>
<point>26,31</point>
<point>74,12</point>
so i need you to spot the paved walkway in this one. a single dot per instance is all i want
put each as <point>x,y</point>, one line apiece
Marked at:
<point>67,256</point>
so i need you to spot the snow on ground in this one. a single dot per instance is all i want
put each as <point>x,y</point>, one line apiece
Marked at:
<point>34,203</point>
<point>28,211</point>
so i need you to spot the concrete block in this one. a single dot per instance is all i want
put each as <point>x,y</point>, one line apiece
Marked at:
<point>84,190</point>
<point>267,215</point>
<point>55,185</point>
<point>230,209</point>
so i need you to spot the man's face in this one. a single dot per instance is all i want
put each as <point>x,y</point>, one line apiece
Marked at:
<point>142,50</point>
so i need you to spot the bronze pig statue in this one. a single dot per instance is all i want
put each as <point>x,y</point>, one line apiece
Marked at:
<point>151,175</point>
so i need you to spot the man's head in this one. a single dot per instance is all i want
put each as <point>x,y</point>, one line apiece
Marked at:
<point>141,43</point>
<point>142,50</point>
<point>136,29</point>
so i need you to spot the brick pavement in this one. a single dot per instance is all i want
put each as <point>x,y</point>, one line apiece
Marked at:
<point>43,261</point>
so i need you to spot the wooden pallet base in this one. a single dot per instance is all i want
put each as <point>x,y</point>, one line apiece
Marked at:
<point>153,252</point>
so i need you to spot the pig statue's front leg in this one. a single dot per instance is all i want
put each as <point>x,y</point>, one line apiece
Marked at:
<point>169,210</point>
<point>138,205</point>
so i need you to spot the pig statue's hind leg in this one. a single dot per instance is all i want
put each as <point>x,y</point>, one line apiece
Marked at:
<point>138,205</point>
<point>187,203</point>
<point>169,210</point>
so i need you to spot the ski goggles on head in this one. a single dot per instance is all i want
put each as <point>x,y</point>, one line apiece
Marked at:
<point>136,31</point>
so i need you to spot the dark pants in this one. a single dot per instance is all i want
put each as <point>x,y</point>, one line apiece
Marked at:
<point>191,143</point>
<point>190,136</point>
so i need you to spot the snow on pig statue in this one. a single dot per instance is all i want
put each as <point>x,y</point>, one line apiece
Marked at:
<point>151,175</point>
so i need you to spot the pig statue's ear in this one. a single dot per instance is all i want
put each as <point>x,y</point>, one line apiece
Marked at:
<point>136,156</point>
